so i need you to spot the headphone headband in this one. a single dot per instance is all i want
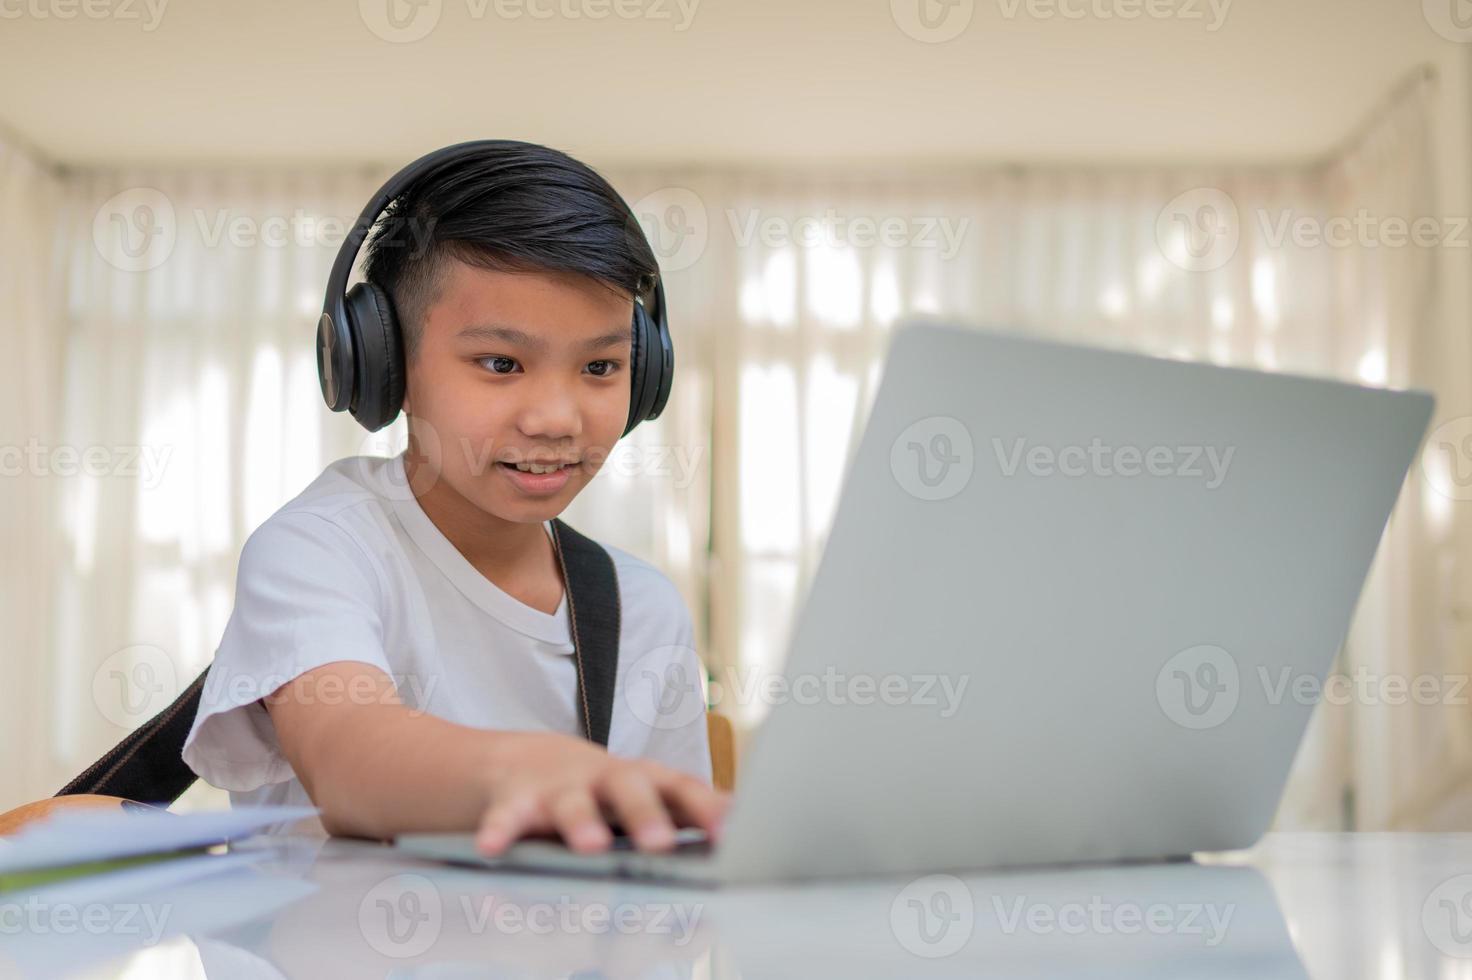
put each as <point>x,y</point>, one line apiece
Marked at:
<point>338,369</point>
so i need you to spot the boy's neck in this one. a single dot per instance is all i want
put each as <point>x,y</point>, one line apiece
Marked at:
<point>501,550</point>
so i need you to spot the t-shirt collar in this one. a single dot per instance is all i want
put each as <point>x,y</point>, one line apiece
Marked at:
<point>552,629</point>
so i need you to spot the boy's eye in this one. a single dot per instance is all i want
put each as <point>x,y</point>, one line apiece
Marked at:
<point>602,369</point>
<point>498,365</point>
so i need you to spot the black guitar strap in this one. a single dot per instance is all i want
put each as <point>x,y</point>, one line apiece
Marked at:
<point>148,765</point>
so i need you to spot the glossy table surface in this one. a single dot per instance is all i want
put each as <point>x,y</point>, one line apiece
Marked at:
<point>1297,905</point>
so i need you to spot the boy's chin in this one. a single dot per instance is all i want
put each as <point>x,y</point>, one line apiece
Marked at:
<point>509,504</point>
<point>530,513</point>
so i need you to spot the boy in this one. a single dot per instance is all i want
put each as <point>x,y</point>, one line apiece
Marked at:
<point>398,655</point>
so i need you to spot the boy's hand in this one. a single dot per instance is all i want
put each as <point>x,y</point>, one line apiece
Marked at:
<point>557,784</point>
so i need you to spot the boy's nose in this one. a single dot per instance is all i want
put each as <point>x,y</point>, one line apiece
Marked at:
<point>551,414</point>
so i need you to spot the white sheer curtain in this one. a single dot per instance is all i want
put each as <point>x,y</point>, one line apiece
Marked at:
<point>30,195</point>
<point>191,303</point>
<point>1402,757</point>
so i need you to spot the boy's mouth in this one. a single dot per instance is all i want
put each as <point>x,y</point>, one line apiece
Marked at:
<point>539,478</point>
<point>550,467</point>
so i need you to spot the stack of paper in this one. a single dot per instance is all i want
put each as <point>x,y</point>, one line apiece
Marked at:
<point>77,842</point>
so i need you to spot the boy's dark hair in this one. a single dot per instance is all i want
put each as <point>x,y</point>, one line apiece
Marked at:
<point>514,207</point>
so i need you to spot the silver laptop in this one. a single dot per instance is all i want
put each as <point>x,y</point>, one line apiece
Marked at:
<point>1069,598</point>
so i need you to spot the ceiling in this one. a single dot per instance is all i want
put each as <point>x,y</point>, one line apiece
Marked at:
<point>823,82</point>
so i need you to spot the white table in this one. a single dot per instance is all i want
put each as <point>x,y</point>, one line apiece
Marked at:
<point>1320,905</point>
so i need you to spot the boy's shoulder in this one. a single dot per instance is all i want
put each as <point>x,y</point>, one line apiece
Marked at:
<point>335,525</point>
<point>346,484</point>
<point>646,594</point>
<point>636,571</point>
<point>354,493</point>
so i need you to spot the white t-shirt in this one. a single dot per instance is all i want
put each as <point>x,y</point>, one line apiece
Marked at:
<point>353,569</point>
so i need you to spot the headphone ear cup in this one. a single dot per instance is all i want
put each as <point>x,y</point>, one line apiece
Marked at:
<point>379,392</point>
<point>661,358</point>
<point>644,369</point>
<point>652,368</point>
<point>336,370</point>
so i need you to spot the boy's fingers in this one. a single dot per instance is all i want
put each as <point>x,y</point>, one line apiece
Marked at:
<point>504,822</point>
<point>695,804</point>
<point>639,808</point>
<point>575,816</point>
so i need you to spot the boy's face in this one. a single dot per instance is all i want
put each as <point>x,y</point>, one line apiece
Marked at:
<point>519,366</point>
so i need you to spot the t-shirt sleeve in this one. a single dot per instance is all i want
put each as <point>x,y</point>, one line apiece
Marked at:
<point>687,747</point>
<point>663,696</point>
<point>306,594</point>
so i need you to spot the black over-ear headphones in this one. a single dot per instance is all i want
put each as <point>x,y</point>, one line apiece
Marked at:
<point>360,354</point>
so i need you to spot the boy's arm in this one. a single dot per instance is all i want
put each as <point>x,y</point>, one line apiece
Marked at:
<point>376,768</point>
